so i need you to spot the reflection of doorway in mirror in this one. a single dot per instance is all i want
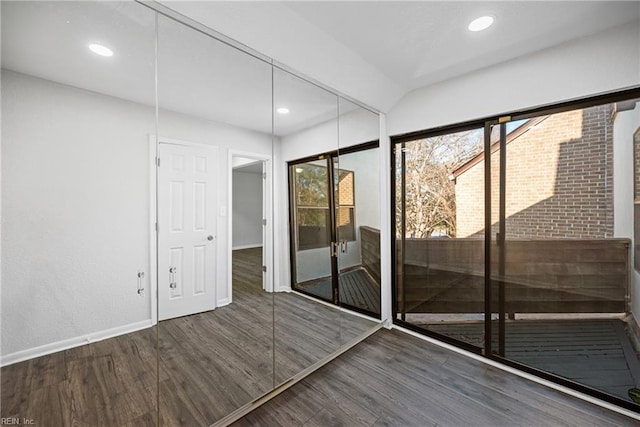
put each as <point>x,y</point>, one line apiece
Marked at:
<point>249,224</point>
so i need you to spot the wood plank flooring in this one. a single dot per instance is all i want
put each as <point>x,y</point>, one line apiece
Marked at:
<point>210,363</point>
<point>394,379</point>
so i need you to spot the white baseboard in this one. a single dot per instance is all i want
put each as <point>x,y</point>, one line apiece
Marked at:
<point>257,245</point>
<point>223,302</point>
<point>54,347</point>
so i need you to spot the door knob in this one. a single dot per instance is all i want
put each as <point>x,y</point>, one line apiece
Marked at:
<point>209,238</point>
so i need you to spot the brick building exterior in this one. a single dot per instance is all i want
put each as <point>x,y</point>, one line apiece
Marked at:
<point>559,178</point>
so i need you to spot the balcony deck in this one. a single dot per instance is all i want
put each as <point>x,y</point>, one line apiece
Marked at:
<point>594,352</point>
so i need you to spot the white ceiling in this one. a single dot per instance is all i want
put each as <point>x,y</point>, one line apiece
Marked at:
<point>420,43</point>
<point>372,51</point>
<point>378,51</point>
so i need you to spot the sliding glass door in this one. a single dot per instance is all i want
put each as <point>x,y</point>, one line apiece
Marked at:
<point>335,236</point>
<point>513,240</point>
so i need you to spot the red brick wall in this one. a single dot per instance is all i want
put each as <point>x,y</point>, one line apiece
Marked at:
<point>559,179</point>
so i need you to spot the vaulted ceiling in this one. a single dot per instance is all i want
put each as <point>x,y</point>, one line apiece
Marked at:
<point>378,51</point>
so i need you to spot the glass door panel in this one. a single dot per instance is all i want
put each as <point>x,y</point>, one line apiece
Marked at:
<point>564,269</point>
<point>440,232</point>
<point>311,216</point>
<point>358,238</point>
<point>358,228</point>
<point>357,189</point>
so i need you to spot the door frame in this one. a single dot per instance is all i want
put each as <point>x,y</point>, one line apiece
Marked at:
<point>267,206</point>
<point>154,152</point>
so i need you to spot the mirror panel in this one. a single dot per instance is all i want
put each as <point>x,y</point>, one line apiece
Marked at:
<point>214,302</point>
<point>78,346</point>
<point>307,324</point>
<point>358,210</point>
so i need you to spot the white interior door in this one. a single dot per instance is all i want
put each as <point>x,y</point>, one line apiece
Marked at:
<point>187,230</point>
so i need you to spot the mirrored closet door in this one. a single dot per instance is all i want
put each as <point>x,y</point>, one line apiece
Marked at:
<point>215,308</point>
<point>78,106</point>
<point>307,327</point>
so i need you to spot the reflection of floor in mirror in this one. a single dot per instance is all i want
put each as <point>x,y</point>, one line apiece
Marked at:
<point>392,378</point>
<point>211,363</point>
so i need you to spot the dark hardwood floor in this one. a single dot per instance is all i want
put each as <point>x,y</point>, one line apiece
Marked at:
<point>210,363</point>
<point>231,350</point>
<point>107,383</point>
<point>394,379</point>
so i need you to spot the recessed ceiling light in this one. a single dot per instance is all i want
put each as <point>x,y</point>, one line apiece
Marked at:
<point>100,50</point>
<point>481,23</point>
<point>283,110</point>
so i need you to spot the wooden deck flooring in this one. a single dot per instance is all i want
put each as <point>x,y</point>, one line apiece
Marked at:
<point>210,364</point>
<point>596,353</point>
<point>357,289</point>
<point>394,379</point>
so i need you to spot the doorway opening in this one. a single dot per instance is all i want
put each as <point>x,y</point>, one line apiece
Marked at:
<point>249,223</point>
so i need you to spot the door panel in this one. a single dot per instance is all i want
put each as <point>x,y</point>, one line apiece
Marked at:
<point>562,276</point>
<point>358,228</point>
<point>187,244</point>
<point>439,251</point>
<point>313,235</point>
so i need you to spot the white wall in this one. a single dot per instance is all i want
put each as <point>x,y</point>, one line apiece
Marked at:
<point>625,125</point>
<point>75,220</point>
<point>603,62</point>
<point>247,210</point>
